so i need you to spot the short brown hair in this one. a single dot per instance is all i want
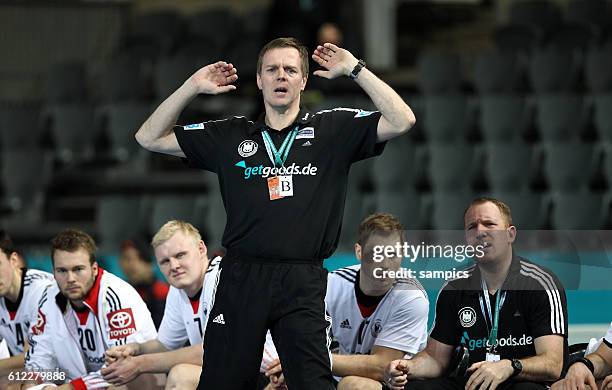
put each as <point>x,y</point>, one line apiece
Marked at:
<point>378,223</point>
<point>6,244</point>
<point>71,240</point>
<point>503,208</point>
<point>285,42</point>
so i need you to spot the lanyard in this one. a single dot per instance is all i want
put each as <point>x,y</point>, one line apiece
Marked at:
<point>278,157</point>
<point>499,302</point>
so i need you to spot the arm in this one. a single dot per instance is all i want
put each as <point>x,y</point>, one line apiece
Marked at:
<point>544,367</point>
<point>126,370</point>
<point>579,374</point>
<point>156,133</point>
<point>367,366</point>
<point>133,349</point>
<point>432,362</point>
<point>397,118</point>
<point>11,364</point>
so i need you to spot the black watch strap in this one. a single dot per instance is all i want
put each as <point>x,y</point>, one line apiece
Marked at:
<point>517,366</point>
<point>360,65</point>
<point>586,362</point>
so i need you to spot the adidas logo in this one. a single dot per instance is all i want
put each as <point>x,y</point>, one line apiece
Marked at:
<point>517,314</point>
<point>219,319</point>
<point>307,143</point>
<point>346,324</point>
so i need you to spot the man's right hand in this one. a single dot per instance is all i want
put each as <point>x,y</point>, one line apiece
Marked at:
<point>577,377</point>
<point>396,374</point>
<point>121,352</point>
<point>214,79</point>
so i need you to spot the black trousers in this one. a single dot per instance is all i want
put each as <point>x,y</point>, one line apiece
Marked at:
<point>253,296</point>
<point>459,384</point>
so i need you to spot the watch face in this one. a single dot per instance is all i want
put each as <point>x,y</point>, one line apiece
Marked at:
<point>516,364</point>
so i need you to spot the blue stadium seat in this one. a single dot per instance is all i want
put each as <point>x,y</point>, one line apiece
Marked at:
<point>569,167</point>
<point>560,117</point>
<point>497,72</point>
<point>439,72</point>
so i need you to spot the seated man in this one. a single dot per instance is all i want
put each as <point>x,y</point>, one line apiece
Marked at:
<point>137,265</point>
<point>88,311</point>
<point>591,368</point>
<point>20,291</point>
<point>509,313</point>
<point>376,317</point>
<point>182,258</point>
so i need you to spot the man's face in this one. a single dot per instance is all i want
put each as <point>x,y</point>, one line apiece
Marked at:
<point>486,226</point>
<point>369,266</point>
<point>280,78</point>
<point>131,263</point>
<point>181,260</point>
<point>7,273</point>
<point>73,273</point>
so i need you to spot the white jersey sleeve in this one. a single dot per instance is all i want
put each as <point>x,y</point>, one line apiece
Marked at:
<point>172,332</point>
<point>127,308</point>
<point>40,355</point>
<point>608,337</point>
<point>406,328</point>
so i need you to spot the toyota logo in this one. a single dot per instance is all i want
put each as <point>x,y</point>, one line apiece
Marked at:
<point>121,320</point>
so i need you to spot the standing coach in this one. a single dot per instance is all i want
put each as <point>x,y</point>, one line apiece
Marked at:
<point>283,180</point>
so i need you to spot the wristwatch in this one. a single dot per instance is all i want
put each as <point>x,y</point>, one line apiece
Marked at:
<point>517,366</point>
<point>360,65</point>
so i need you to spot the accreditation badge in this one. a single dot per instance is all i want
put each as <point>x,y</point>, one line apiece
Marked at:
<point>492,357</point>
<point>280,186</point>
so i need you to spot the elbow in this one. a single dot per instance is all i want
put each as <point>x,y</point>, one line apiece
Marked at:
<point>143,140</point>
<point>407,122</point>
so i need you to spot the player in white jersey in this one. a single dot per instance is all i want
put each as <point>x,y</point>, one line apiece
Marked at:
<point>182,257</point>
<point>20,291</point>
<point>376,317</point>
<point>590,369</point>
<point>86,312</point>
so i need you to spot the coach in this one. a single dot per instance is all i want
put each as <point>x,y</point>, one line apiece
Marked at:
<point>509,313</point>
<point>283,181</point>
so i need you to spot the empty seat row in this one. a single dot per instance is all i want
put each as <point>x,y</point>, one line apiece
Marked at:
<point>547,70</point>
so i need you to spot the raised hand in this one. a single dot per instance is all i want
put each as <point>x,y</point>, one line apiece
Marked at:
<point>215,78</point>
<point>337,61</point>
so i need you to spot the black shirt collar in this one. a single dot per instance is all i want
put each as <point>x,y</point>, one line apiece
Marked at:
<point>515,269</point>
<point>303,117</point>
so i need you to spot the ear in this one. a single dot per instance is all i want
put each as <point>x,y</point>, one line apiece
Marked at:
<point>95,268</point>
<point>202,248</point>
<point>358,253</point>
<point>304,81</point>
<point>511,234</point>
<point>15,260</point>
<point>259,81</point>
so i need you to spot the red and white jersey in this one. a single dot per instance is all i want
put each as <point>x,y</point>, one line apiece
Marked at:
<point>399,320</point>
<point>185,319</point>
<point>14,325</point>
<point>74,341</point>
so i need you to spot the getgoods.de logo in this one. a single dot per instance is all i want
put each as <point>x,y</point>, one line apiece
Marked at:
<point>121,323</point>
<point>265,172</point>
<point>509,341</point>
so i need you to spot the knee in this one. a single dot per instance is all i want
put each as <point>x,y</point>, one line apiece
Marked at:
<point>183,376</point>
<point>358,383</point>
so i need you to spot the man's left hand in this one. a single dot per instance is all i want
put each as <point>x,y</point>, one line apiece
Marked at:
<point>607,383</point>
<point>337,61</point>
<point>122,372</point>
<point>488,375</point>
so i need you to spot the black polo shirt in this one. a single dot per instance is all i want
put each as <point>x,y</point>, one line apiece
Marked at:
<point>535,306</point>
<point>305,226</point>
